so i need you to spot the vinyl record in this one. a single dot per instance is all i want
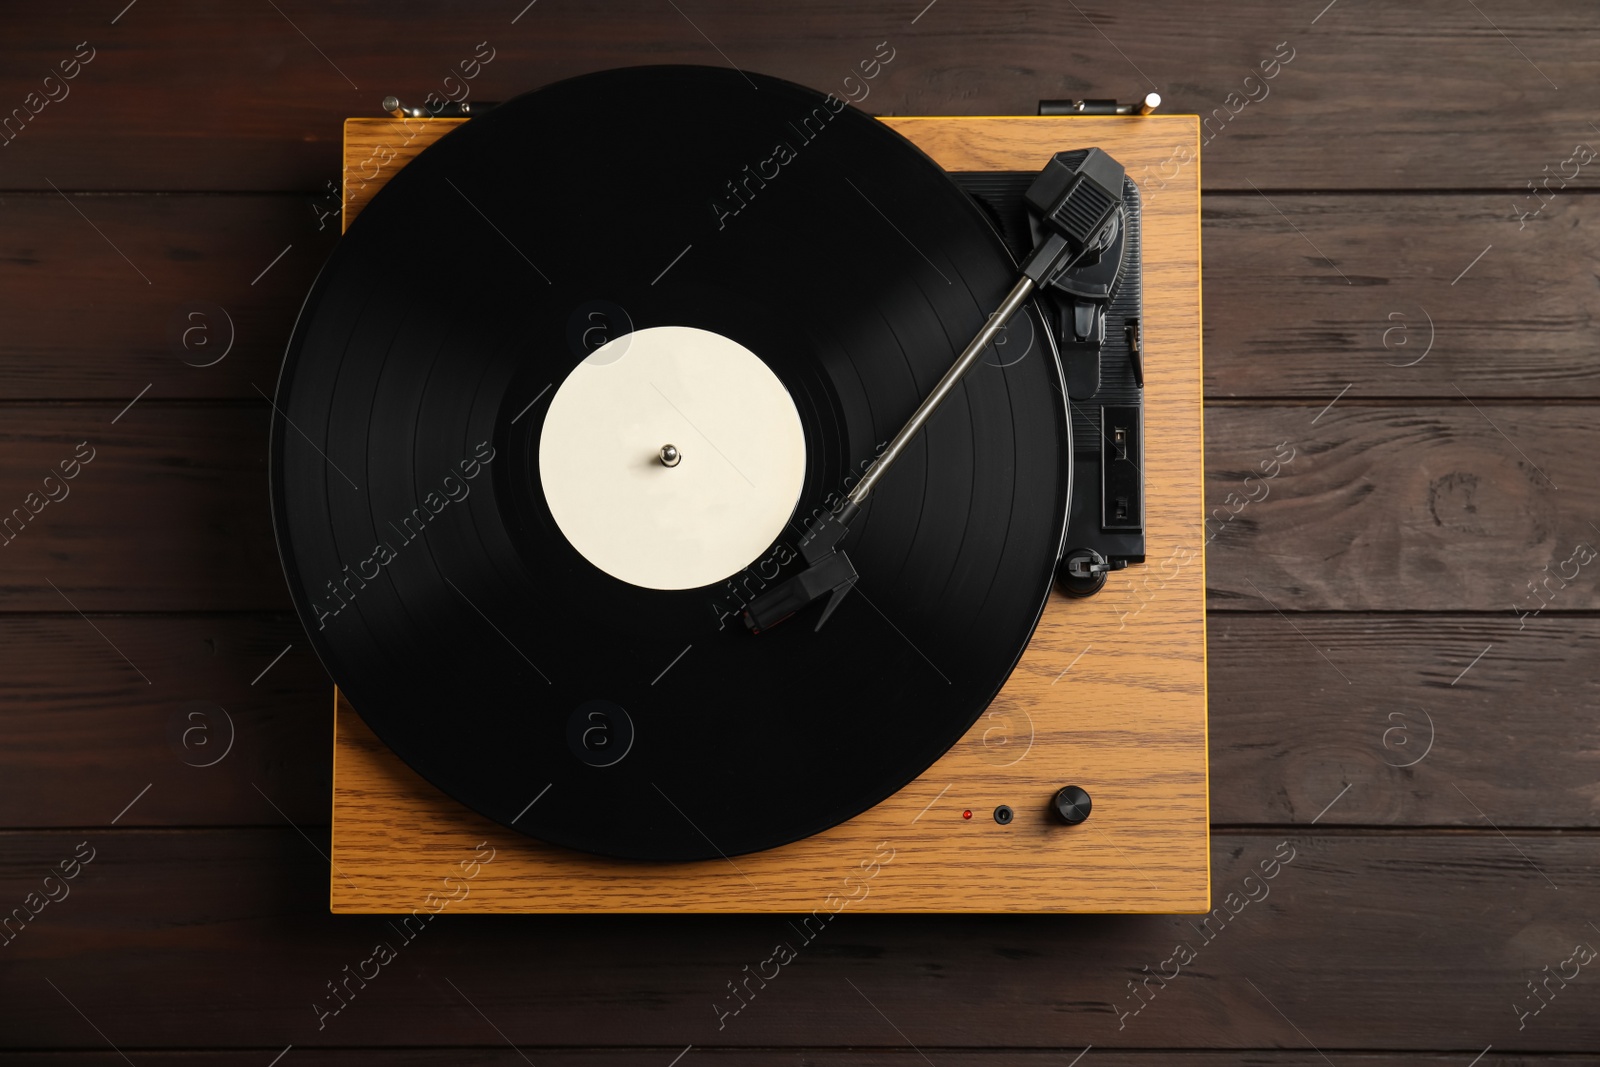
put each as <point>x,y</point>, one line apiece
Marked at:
<point>468,410</point>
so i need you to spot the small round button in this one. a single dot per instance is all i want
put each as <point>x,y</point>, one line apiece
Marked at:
<point>1071,805</point>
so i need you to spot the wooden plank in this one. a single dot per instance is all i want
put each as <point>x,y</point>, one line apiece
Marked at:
<point>1393,310</point>
<point>80,728</point>
<point>224,729</point>
<point>1147,851</point>
<point>1423,95</point>
<point>200,272</point>
<point>1384,507</point>
<point>153,941</point>
<point>1397,508</point>
<point>1282,323</point>
<point>169,513</point>
<point>1428,734</point>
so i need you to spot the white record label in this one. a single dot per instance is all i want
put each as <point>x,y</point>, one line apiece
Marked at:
<point>740,457</point>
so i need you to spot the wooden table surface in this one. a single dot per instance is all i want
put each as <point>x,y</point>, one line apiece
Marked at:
<point>1402,634</point>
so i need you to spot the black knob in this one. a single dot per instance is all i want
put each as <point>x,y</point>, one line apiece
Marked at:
<point>1071,805</point>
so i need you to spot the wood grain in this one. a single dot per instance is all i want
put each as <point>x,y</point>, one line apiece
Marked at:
<point>1145,849</point>
<point>188,945</point>
<point>221,938</point>
<point>84,322</point>
<point>1393,309</point>
<point>170,514</point>
<point>1386,506</point>
<point>1423,95</point>
<point>1283,324</point>
<point>80,734</point>
<point>1401,507</point>
<point>222,725</point>
<point>1427,733</point>
<point>395,837</point>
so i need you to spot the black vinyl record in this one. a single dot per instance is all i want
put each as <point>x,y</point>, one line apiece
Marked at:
<point>422,555</point>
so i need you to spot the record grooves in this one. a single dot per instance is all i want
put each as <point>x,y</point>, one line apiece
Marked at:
<point>481,645</point>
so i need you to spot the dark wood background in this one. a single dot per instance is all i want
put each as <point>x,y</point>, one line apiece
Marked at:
<point>1364,616</point>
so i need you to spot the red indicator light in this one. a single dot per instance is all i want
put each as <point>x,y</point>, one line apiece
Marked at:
<point>967,814</point>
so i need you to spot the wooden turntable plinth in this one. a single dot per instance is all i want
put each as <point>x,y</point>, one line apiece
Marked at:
<point>1110,695</point>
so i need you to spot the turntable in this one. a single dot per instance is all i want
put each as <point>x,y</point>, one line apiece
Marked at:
<point>707,501</point>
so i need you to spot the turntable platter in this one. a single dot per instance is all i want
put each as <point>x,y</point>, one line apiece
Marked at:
<point>428,472</point>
